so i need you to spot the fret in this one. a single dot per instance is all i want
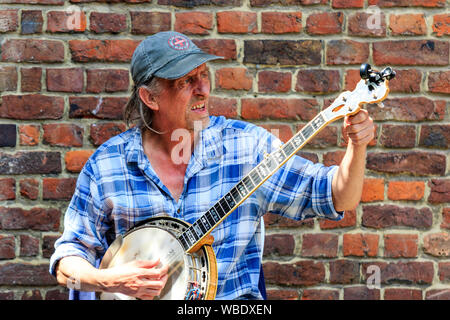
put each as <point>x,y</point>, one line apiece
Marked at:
<point>263,169</point>
<point>219,210</point>
<point>190,237</point>
<point>209,218</point>
<point>183,241</point>
<point>248,183</point>
<point>318,121</point>
<point>235,194</point>
<point>308,131</point>
<point>288,148</point>
<point>214,215</point>
<point>230,201</point>
<point>298,139</point>
<point>205,222</point>
<point>254,175</point>
<point>279,156</point>
<point>240,187</point>
<point>271,163</point>
<point>197,228</point>
<point>224,204</point>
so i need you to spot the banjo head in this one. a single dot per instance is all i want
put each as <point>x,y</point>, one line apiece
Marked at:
<point>157,238</point>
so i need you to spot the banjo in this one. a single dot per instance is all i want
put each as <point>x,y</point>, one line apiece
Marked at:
<point>187,248</point>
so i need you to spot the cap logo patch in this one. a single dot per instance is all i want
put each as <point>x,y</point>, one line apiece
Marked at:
<point>179,43</point>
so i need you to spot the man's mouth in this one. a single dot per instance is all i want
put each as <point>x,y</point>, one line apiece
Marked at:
<point>198,107</point>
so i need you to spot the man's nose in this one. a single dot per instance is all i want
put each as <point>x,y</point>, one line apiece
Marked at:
<point>202,87</point>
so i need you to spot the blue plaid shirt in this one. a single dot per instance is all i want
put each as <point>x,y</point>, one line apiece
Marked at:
<point>118,188</point>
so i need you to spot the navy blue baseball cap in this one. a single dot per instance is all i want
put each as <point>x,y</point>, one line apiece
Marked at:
<point>167,55</point>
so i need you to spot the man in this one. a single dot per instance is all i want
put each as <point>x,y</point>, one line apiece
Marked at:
<point>179,161</point>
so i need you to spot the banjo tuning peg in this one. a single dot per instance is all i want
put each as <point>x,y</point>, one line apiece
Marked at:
<point>365,70</point>
<point>387,73</point>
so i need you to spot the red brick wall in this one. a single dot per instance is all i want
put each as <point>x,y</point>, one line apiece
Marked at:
<point>64,80</point>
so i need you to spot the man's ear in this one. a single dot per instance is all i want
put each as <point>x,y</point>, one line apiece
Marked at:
<point>147,98</point>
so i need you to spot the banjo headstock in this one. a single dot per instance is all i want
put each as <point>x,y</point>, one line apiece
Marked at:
<point>372,88</point>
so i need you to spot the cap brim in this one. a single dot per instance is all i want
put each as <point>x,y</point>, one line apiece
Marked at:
<point>183,65</point>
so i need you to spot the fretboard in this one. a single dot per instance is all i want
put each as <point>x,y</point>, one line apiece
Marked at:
<point>252,181</point>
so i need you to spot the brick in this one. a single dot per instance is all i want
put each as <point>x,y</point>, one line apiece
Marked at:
<point>333,158</point>
<point>222,107</point>
<point>438,294</point>
<point>264,3</point>
<point>233,79</point>
<point>57,294</point>
<point>261,108</point>
<point>309,156</point>
<point>31,79</point>
<point>301,273</point>
<point>319,245</point>
<point>361,293</point>
<point>440,190</point>
<point>386,216</point>
<point>9,135</point>
<point>406,190</point>
<point>408,109</point>
<point>320,294</point>
<point>407,81</point>
<point>66,21</point>
<point>194,3</point>
<point>279,245</point>
<point>39,219</point>
<point>283,52</point>
<point>318,81</point>
<point>32,50</point>
<point>344,272</point>
<point>414,162</point>
<point>349,220</point>
<point>26,274</point>
<point>29,246</point>
<point>236,22</point>
<point>445,218</point>
<point>411,52</point>
<point>225,48</point>
<point>367,24</point>
<point>102,50</point>
<point>31,22</point>
<point>53,2</point>
<point>107,80</point>
<point>9,20</point>
<point>360,244</point>
<point>327,137</point>
<point>444,272</point>
<point>8,78</point>
<point>283,132</point>
<point>7,247</point>
<point>194,22</point>
<point>413,272</point>
<point>32,295</point>
<point>104,22</point>
<point>324,23</point>
<point>400,245</point>
<point>342,4</point>
<point>407,24</point>
<point>407,3</point>
<point>28,135</point>
<point>24,107</point>
<point>437,244</point>
<point>441,24</point>
<point>282,294</point>
<point>101,108</point>
<point>347,52</point>
<point>398,136</point>
<point>65,80</point>
<point>7,189</point>
<point>149,22</point>
<point>272,81</point>
<point>48,245</point>
<point>439,82</point>
<point>58,188</point>
<point>63,135</point>
<point>373,190</point>
<point>33,162</point>
<point>402,294</point>
<point>281,22</point>
<point>277,221</point>
<point>7,295</point>
<point>101,132</point>
<point>29,188</point>
<point>75,160</point>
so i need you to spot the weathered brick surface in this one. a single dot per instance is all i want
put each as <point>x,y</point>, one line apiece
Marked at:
<point>64,80</point>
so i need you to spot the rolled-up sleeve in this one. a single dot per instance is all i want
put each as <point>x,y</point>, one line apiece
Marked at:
<point>85,223</point>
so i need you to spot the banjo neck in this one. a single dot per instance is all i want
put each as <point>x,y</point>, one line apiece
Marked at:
<point>347,103</point>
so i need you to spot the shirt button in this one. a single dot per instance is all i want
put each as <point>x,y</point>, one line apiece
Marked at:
<point>178,211</point>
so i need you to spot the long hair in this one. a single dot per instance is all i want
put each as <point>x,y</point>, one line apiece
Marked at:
<point>135,111</point>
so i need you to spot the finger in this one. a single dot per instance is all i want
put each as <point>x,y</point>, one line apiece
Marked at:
<point>362,136</point>
<point>147,263</point>
<point>359,117</point>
